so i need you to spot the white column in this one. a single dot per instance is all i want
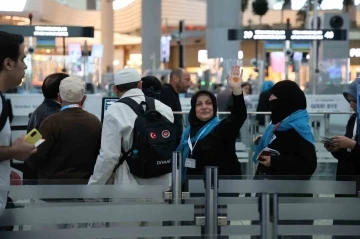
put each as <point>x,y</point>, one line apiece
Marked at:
<point>150,33</point>
<point>107,34</point>
<point>221,16</point>
<point>119,58</point>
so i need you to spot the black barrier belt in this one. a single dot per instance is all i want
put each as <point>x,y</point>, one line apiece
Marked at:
<point>18,127</point>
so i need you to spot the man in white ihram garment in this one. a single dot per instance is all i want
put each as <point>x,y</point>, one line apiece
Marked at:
<point>117,133</point>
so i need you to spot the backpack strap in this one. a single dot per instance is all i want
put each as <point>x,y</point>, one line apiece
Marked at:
<point>150,103</point>
<point>122,158</point>
<point>136,107</point>
<point>4,112</point>
<point>131,103</point>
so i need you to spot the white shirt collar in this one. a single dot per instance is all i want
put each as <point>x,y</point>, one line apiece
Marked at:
<point>133,92</point>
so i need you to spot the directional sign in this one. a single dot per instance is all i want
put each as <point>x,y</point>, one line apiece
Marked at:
<point>293,35</point>
<point>49,31</point>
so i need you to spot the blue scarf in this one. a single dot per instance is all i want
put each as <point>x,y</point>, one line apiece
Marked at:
<point>184,146</point>
<point>299,121</point>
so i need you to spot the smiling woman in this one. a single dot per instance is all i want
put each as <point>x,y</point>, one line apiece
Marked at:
<point>209,141</point>
<point>204,107</point>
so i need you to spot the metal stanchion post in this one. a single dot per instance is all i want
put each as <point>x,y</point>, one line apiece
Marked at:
<point>251,129</point>
<point>176,178</point>
<point>327,121</point>
<point>252,132</point>
<point>263,214</point>
<point>267,120</point>
<point>251,167</point>
<point>275,214</point>
<point>211,202</point>
<point>176,183</point>
<point>266,222</point>
<point>317,125</point>
<point>250,162</point>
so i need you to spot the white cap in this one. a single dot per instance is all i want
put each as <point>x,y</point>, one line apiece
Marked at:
<point>72,89</point>
<point>126,75</point>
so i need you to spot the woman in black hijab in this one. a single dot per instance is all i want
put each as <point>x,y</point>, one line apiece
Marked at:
<point>289,133</point>
<point>209,141</point>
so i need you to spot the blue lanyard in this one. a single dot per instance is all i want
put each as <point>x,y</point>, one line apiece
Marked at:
<point>70,106</point>
<point>189,140</point>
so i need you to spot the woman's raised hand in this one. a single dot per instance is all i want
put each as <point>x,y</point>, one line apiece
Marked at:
<point>235,80</point>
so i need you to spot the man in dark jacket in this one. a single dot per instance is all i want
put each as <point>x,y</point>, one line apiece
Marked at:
<point>179,83</point>
<point>49,106</point>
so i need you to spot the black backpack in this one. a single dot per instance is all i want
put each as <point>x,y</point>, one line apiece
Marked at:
<point>154,141</point>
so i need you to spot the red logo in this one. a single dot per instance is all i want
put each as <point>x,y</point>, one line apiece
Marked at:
<point>152,135</point>
<point>15,178</point>
<point>165,134</point>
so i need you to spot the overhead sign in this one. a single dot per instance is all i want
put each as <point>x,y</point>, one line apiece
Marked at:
<point>49,31</point>
<point>293,35</point>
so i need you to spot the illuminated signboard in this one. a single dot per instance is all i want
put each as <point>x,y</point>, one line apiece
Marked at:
<point>293,35</point>
<point>49,31</point>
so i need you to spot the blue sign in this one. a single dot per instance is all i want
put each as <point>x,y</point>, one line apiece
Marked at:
<point>274,46</point>
<point>301,45</point>
<point>45,42</point>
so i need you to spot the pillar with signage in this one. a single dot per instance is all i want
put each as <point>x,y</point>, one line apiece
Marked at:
<point>335,62</point>
<point>107,35</point>
<point>150,34</point>
<point>339,49</point>
<point>221,16</point>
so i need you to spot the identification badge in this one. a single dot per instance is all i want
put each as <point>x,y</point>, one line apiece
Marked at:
<point>190,163</point>
<point>272,138</point>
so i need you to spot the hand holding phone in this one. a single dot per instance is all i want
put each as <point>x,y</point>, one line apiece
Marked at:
<point>327,141</point>
<point>34,137</point>
<point>22,150</point>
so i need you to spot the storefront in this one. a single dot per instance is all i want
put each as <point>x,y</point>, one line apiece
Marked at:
<point>44,56</point>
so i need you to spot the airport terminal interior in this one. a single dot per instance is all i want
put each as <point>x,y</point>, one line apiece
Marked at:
<point>266,90</point>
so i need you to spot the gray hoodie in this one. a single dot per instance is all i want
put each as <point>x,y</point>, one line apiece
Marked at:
<point>351,90</point>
